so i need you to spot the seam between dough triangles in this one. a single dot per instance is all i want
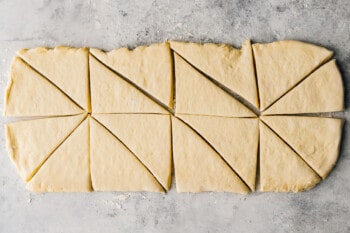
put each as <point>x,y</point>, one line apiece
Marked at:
<point>302,153</point>
<point>219,155</point>
<point>256,78</point>
<point>298,83</point>
<point>174,78</point>
<point>134,85</point>
<point>147,136</point>
<point>43,162</point>
<point>137,158</point>
<point>89,149</point>
<point>285,142</point>
<point>30,118</point>
<point>53,84</point>
<point>89,85</point>
<point>225,89</point>
<point>172,175</point>
<point>219,116</point>
<point>257,171</point>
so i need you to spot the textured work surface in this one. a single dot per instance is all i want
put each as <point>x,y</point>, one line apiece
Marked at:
<point>106,25</point>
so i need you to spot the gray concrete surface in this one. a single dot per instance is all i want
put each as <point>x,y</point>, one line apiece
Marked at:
<point>110,24</point>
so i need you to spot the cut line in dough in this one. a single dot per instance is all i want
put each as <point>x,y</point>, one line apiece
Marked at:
<point>150,68</point>
<point>67,169</point>
<point>29,143</point>
<point>148,136</point>
<point>198,167</point>
<point>114,167</point>
<point>281,169</point>
<point>229,66</point>
<point>315,139</point>
<point>112,94</point>
<point>192,94</point>
<point>282,64</point>
<point>66,67</point>
<point>235,139</point>
<point>30,94</point>
<point>321,92</point>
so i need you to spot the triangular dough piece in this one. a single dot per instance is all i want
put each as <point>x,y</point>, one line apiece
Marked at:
<point>195,94</point>
<point>67,169</point>
<point>112,94</point>
<point>322,91</point>
<point>114,167</point>
<point>29,94</point>
<point>198,167</point>
<point>234,68</point>
<point>29,143</point>
<point>150,68</point>
<point>281,169</point>
<point>148,136</point>
<point>66,67</point>
<point>316,139</point>
<point>235,139</point>
<point>281,65</point>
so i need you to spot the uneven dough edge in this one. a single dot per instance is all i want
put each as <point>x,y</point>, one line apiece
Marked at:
<point>102,56</point>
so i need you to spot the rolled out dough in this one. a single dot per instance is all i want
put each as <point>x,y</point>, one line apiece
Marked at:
<point>148,67</point>
<point>30,94</point>
<point>67,169</point>
<point>281,65</point>
<point>116,121</point>
<point>281,169</point>
<point>198,167</point>
<point>114,167</point>
<point>233,68</point>
<point>29,143</point>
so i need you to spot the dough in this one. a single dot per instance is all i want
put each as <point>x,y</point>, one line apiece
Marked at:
<point>66,67</point>
<point>29,94</point>
<point>114,167</point>
<point>281,169</point>
<point>315,139</point>
<point>148,136</point>
<point>236,140</point>
<point>67,169</point>
<point>195,94</point>
<point>29,143</point>
<point>281,65</point>
<point>231,67</point>
<point>322,91</point>
<point>112,94</point>
<point>150,68</point>
<point>198,167</point>
<point>130,141</point>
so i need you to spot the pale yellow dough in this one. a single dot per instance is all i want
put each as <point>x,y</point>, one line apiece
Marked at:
<point>233,68</point>
<point>30,94</point>
<point>67,169</point>
<point>281,169</point>
<point>317,140</point>
<point>29,143</point>
<point>281,65</point>
<point>235,139</point>
<point>197,95</point>
<point>198,167</point>
<point>114,167</point>
<point>322,91</point>
<point>66,67</point>
<point>148,136</point>
<point>129,141</point>
<point>112,94</point>
<point>148,67</point>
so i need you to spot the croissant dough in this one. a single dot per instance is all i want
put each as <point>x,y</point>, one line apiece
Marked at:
<point>120,120</point>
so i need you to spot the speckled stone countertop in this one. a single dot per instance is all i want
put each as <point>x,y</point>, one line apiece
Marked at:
<point>110,24</point>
